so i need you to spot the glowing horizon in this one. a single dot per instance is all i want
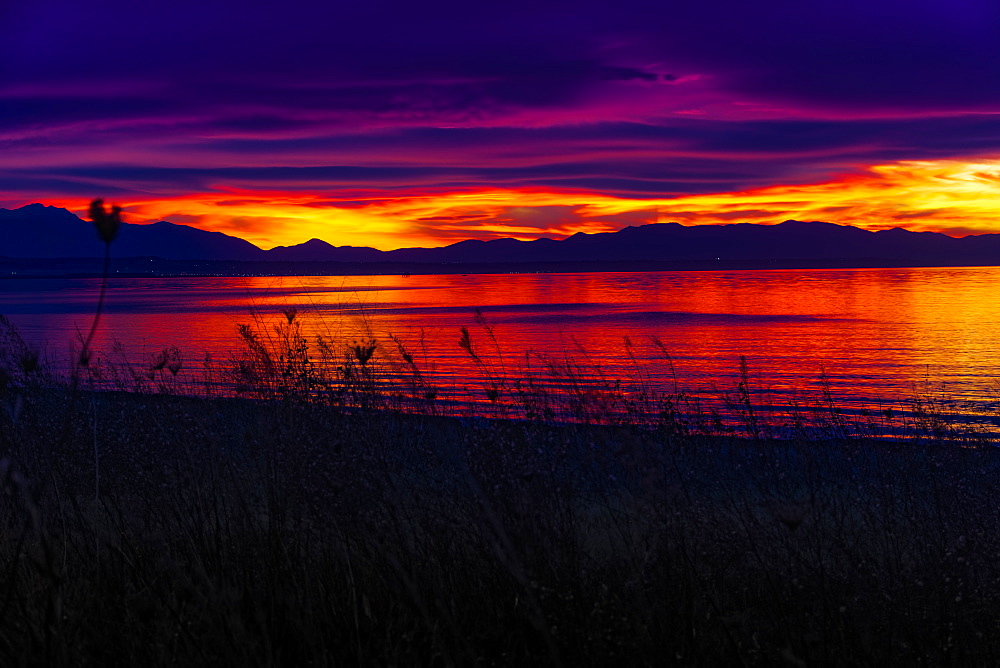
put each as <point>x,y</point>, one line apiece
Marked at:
<point>949,196</point>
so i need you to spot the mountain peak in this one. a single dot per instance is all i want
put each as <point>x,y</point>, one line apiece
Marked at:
<point>39,231</point>
<point>37,209</point>
<point>314,243</point>
<point>793,222</point>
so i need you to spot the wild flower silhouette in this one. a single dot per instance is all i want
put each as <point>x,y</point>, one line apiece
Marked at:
<point>107,223</point>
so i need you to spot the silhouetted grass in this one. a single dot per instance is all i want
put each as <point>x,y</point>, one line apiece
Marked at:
<point>310,502</point>
<point>277,358</point>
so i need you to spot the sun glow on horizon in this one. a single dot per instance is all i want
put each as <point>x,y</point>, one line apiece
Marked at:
<point>949,196</point>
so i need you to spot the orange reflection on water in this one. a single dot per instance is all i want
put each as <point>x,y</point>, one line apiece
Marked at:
<point>874,332</point>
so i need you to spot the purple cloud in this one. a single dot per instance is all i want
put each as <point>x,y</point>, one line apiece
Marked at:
<point>634,99</point>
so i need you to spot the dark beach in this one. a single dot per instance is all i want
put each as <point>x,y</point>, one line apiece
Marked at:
<point>153,529</point>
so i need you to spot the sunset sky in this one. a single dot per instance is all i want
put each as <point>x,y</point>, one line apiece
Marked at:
<point>392,124</point>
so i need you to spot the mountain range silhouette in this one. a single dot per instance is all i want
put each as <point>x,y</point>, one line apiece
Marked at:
<point>47,232</point>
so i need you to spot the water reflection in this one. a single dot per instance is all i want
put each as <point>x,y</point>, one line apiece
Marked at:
<point>873,331</point>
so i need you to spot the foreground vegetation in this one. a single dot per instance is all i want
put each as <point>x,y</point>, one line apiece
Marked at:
<point>320,516</point>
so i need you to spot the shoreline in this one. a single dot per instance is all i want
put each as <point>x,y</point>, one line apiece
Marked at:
<point>21,268</point>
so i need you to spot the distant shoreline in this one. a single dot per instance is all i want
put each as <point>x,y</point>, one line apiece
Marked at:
<point>23,268</point>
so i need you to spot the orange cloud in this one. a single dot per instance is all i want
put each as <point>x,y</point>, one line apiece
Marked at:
<point>950,196</point>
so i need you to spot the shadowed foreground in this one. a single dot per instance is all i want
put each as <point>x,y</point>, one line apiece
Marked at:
<point>155,530</point>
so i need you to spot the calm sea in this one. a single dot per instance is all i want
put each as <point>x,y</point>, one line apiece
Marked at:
<point>874,333</point>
